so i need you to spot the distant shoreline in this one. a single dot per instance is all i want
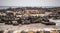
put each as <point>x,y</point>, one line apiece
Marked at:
<point>5,7</point>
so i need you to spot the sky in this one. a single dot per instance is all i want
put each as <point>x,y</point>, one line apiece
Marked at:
<point>31,3</point>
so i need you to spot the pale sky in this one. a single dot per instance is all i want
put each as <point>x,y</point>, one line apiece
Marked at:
<point>30,3</point>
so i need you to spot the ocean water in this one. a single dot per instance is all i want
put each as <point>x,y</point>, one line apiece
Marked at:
<point>5,7</point>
